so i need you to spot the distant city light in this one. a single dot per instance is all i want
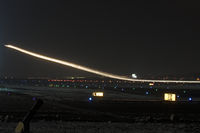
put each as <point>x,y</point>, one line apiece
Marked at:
<point>147,92</point>
<point>134,76</point>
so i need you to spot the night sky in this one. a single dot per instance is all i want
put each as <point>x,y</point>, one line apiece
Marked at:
<point>122,37</point>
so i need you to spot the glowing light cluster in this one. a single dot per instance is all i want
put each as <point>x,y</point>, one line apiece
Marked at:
<point>87,69</point>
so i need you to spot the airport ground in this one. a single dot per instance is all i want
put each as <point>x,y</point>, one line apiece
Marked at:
<point>122,111</point>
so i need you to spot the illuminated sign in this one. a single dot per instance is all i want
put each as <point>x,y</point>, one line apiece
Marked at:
<point>97,94</point>
<point>169,97</point>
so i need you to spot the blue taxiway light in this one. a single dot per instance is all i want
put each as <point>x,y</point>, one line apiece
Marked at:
<point>90,98</point>
<point>190,99</point>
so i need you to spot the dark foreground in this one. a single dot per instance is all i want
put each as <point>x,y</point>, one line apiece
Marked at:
<point>100,115</point>
<point>104,127</point>
<point>15,106</point>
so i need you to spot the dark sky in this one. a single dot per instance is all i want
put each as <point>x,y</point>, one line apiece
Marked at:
<point>122,37</point>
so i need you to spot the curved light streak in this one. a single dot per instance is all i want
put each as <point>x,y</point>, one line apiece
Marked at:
<point>87,69</point>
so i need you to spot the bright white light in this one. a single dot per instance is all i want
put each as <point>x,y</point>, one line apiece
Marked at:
<point>87,69</point>
<point>134,76</point>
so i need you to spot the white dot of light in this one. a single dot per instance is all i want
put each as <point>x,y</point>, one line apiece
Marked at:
<point>87,69</point>
<point>134,76</point>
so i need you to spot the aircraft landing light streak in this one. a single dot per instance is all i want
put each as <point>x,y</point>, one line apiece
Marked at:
<point>105,74</point>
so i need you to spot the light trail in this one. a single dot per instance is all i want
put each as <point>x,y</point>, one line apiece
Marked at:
<point>87,69</point>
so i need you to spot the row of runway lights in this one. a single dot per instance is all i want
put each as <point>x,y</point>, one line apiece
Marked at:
<point>167,96</point>
<point>147,92</point>
<point>90,98</point>
<point>102,87</point>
